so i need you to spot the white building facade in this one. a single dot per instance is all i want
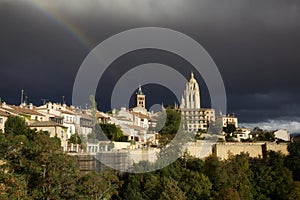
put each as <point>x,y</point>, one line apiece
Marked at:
<point>194,117</point>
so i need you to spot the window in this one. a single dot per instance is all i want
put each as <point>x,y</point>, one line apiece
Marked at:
<point>1,120</point>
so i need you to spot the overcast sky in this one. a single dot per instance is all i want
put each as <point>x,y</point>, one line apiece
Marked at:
<point>254,43</point>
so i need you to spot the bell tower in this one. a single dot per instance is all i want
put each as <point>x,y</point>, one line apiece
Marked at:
<point>140,99</point>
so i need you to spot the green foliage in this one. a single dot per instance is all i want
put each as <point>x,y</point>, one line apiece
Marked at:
<point>172,122</point>
<point>262,135</point>
<point>213,168</point>
<point>195,185</point>
<point>75,139</point>
<point>230,128</point>
<point>12,186</point>
<point>15,126</point>
<point>271,179</point>
<point>176,181</point>
<point>113,132</point>
<point>233,173</point>
<point>171,190</point>
<point>228,194</point>
<point>34,167</point>
<point>108,131</point>
<point>294,191</point>
<point>238,175</point>
<point>168,125</point>
<point>292,161</point>
<point>98,186</point>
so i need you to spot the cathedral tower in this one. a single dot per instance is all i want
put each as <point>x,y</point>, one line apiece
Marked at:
<point>191,95</point>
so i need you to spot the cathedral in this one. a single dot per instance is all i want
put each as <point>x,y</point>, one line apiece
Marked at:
<point>195,118</point>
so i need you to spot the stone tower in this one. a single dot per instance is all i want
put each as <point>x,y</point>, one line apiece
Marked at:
<point>140,99</point>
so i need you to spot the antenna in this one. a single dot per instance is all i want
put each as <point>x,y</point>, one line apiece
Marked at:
<point>44,101</point>
<point>26,98</point>
<point>22,96</point>
<point>63,99</point>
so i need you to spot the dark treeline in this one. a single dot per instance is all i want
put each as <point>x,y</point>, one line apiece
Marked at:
<point>239,177</point>
<point>33,166</point>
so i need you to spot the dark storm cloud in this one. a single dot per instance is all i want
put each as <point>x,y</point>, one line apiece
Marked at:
<point>255,44</point>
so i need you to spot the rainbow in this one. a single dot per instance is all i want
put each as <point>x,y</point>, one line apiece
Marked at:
<point>67,25</point>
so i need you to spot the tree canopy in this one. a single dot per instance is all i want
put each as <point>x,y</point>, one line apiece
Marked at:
<point>33,166</point>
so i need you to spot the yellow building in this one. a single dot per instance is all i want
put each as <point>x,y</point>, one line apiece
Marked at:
<point>54,129</point>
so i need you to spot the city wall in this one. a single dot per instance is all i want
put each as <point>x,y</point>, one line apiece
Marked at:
<point>255,150</point>
<point>122,159</point>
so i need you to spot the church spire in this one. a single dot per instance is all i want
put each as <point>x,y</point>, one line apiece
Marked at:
<point>192,75</point>
<point>140,99</point>
<point>140,92</point>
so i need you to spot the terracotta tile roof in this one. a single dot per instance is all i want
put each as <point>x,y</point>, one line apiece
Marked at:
<point>25,111</point>
<point>66,112</point>
<point>122,118</point>
<point>141,115</point>
<point>46,124</point>
<point>4,114</point>
<point>135,127</point>
<point>101,115</point>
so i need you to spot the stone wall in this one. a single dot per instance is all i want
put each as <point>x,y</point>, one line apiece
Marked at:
<point>282,147</point>
<point>255,150</point>
<point>200,149</point>
<point>224,150</point>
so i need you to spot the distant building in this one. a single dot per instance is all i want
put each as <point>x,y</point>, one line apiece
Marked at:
<point>194,117</point>
<point>54,129</point>
<point>227,119</point>
<point>3,118</point>
<point>282,134</point>
<point>243,134</point>
<point>28,112</point>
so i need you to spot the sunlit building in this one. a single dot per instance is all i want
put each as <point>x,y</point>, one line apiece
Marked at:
<point>194,117</point>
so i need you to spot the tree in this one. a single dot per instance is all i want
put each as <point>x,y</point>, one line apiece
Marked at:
<point>113,132</point>
<point>230,128</point>
<point>238,175</point>
<point>12,186</point>
<point>171,190</point>
<point>195,185</point>
<point>142,186</point>
<point>172,122</point>
<point>98,185</point>
<point>271,179</point>
<point>292,161</point>
<point>263,135</point>
<point>227,194</point>
<point>294,192</point>
<point>15,126</point>
<point>36,168</point>
<point>213,168</point>
<point>75,139</point>
<point>37,162</point>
